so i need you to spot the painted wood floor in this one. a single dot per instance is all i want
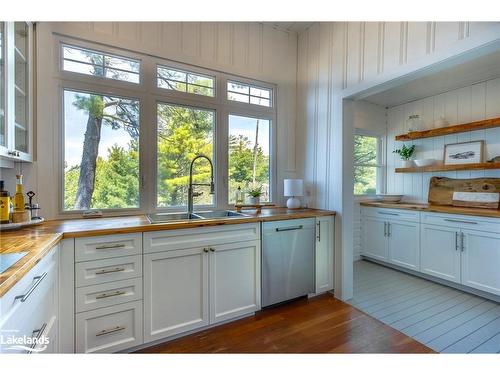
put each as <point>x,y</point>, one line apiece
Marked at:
<point>444,319</point>
<point>322,324</point>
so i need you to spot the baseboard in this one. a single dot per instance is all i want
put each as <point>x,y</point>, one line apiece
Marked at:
<point>437,280</point>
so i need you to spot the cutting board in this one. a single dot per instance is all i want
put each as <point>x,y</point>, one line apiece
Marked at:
<point>441,188</point>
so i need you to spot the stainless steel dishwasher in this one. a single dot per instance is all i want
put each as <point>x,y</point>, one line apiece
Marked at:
<point>287,260</point>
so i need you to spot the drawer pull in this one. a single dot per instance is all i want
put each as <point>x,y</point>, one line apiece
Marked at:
<point>113,246</point>
<point>24,297</point>
<point>387,213</point>
<point>105,271</point>
<point>460,221</point>
<point>108,331</point>
<point>107,295</point>
<point>38,332</point>
<point>289,228</point>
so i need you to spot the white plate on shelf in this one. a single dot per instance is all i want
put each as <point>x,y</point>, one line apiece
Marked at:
<point>424,162</point>
<point>392,198</point>
<point>13,226</point>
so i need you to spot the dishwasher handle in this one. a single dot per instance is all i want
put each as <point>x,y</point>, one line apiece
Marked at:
<point>289,228</point>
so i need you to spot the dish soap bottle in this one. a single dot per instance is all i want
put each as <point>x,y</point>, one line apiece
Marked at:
<point>4,204</point>
<point>19,196</point>
<point>239,196</point>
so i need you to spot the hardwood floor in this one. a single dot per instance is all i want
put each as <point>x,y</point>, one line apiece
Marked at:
<point>322,324</point>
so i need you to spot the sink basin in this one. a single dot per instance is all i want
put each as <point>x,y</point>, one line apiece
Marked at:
<point>8,260</point>
<point>183,216</point>
<point>169,217</point>
<point>219,214</point>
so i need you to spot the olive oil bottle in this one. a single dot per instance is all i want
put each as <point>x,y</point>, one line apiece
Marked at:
<point>4,204</point>
<point>19,196</point>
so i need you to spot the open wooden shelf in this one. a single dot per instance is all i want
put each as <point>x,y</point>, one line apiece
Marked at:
<point>452,129</point>
<point>446,168</point>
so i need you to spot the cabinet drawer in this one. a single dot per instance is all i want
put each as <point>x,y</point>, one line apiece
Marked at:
<point>106,270</point>
<point>102,247</point>
<point>462,221</point>
<point>189,238</point>
<point>391,214</point>
<point>110,329</point>
<point>108,294</point>
<point>33,284</point>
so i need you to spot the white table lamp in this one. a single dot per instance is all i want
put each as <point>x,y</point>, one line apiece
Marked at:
<point>293,188</point>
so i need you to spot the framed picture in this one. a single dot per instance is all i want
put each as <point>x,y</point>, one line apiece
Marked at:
<point>464,153</point>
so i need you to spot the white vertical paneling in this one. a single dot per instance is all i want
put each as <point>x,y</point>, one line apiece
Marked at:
<point>371,50</point>
<point>446,34</point>
<point>224,43</point>
<point>103,28</point>
<point>255,47</point>
<point>190,38</point>
<point>170,37</point>
<point>208,41</point>
<point>492,110</point>
<point>127,30</point>
<point>241,44</point>
<point>148,35</point>
<point>417,43</point>
<point>392,45</point>
<point>354,55</point>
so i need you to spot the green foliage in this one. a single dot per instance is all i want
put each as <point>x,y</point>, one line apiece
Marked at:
<point>405,152</point>
<point>365,161</point>
<point>255,192</point>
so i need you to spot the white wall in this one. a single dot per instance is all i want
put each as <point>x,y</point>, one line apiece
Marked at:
<point>476,102</point>
<point>338,60</point>
<point>252,50</point>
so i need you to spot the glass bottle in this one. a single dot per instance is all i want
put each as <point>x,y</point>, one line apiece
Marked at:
<point>239,196</point>
<point>4,204</point>
<point>19,196</point>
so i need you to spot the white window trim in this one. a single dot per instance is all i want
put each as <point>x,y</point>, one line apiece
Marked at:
<point>381,162</point>
<point>149,94</point>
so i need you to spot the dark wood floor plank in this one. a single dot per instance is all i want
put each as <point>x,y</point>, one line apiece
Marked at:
<point>322,324</point>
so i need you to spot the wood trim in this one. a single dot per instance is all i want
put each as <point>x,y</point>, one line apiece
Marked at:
<point>450,167</point>
<point>453,129</point>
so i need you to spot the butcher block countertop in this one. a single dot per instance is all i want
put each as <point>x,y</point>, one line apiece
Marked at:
<point>485,212</point>
<point>38,240</point>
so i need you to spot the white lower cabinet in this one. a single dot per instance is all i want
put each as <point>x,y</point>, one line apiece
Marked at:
<point>109,329</point>
<point>440,252</point>
<point>324,253</point>
<point>374,238</point>
<point>175,292</point>
<point>404,244</point>
<point>481,260</point>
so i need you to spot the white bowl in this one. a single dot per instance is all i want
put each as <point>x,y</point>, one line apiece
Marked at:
<point>424,162</point>
<point>393,198</point>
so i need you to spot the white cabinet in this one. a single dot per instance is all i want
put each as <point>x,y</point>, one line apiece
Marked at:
<point>175,292</point>
<point>324,253</point>
<point>31,308</point>
<point>375,238</point>
<point>481,260</point>
<point>234,280</point>
<point>440,252</point>
<point>16,90</point>
<point>404,243</point>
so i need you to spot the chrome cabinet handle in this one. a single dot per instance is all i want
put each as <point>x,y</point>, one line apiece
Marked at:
<point>289,228</point>
<point>39,333</point>
<point>108,331</point>
<point>205,250</point>
<point>24,297</point>
<point>319,231</point>
<point>107,295</point>
<point>212,249</point>
<point>385,228</point>
<point>462,241</point>
<point>456,241</point>
<point>387,213</point>
<point>389,232</point>
<point>105,271</point>
<point>114,246</point>
<point>460,221</point>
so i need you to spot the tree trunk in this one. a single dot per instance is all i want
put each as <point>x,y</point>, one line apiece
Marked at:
<point>255,153</point>
<point>88,165</point>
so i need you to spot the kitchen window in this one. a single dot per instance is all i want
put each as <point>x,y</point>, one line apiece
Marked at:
<point>368,163</point>
<point>129,147</point>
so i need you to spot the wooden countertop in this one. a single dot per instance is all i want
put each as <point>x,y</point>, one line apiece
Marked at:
<point>485,212</point>
<point>38,240</point>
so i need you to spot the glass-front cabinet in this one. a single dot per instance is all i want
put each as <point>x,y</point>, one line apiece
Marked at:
<point>16,76</point>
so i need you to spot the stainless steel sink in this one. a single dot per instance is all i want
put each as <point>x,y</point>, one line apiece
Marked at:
<point>183,216</point>
<point>219,214</point>
<point>169,217</point>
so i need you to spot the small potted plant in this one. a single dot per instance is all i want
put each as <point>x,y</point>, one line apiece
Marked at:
<point>255,194</point>
<point>406,153</point>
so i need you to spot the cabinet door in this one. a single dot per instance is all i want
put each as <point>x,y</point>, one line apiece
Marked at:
<point>481,260</point>
<point>404,244</point>
<point>22,87</point>
<point>440,252</point>
<point>324,254</point>
<point>234,280</point>
<point>175,292</point>
<point>374,239</point>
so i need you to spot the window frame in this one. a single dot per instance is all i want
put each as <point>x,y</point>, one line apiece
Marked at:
<point>149,95</point>
<point>380,165</point>
<point>187,72</point>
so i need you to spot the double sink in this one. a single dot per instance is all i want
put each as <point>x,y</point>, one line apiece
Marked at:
<point>202,215</point>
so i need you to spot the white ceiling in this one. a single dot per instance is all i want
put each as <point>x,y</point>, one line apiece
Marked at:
<point>297,27</point>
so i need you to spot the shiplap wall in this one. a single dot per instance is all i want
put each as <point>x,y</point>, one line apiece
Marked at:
<point>467,104</point>
<point>249,49</point>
